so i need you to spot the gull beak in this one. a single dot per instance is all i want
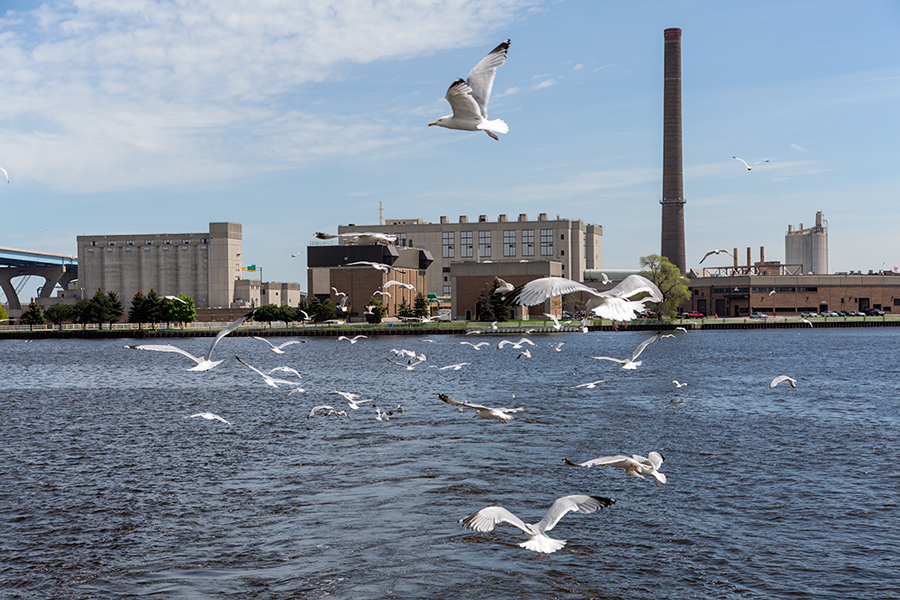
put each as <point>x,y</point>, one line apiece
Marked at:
<point>430,124</point>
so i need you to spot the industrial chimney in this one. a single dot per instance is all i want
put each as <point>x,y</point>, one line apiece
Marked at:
<point>673,169</point>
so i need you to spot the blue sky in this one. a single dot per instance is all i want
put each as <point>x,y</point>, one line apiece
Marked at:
<point>291,116</point>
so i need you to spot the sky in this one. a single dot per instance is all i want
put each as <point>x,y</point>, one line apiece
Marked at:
<point>296,116</point>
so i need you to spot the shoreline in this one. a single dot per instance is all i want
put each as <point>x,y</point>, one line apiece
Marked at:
<point>448,329</point>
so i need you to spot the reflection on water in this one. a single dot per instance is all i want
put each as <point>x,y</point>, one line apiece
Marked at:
<point>108,492</point>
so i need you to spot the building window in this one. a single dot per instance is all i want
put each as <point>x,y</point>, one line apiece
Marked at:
<point>528,242</point>
<point>446,290</point>
<point>129,243</point>
<point>546,242</point>
<point>401,239</point>
<point>111,243</point>
<point>204,241</point>
<point>168,242</point>
<point>484,244</point>
<point>465,244</point>
<point>93,242</point>
<point>449,247</point>
<point>509,243</point>
<point>185,242</point>
<point>148,242</point>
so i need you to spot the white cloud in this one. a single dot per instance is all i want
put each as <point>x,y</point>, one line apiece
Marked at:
<point>543,84</point>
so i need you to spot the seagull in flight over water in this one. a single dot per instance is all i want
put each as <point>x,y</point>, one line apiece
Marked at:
<point>781,378</point>
<point>631,363</point>
<point>469,98</point>
<point>270,381</point>
<point>280,348</point>
<point>633,465</point>
<point>749,167</point>
<point>209,416</point>
<point>501,414</point>
<point>203,364</point>
<point>486,518</point>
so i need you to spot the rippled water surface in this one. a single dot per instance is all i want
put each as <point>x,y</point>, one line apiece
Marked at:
<point>106,491</point>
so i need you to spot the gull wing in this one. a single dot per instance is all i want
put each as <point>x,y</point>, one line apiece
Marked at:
<point>644,344</point>
<point>538,290</point>
<point>228,329</point>
<point>167,348</point>
<point>264,376</point>
<point>464,105</point>
<point>486,518</point>
<point>286,370</point>
<point>781,378</point>
<point>449,400</point>
<point>264,340</point>
<point>618,360</point>
<point>575,503</point>
<point>619,460</point>
<point>286,344</point>
<point>655,459</point>
<point>481,77</point>
<point>320,407</point>
<point>631,285</point>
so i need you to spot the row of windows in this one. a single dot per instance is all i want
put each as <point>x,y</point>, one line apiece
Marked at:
<point>448,246</point>
<point>185,242</point>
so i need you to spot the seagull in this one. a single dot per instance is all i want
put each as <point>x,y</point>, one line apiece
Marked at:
<point>270,381</point>
<point>408,366</point>
<point>634,465</point>
<point>494,325</point>
<point>330,411</point>
<point>469,98</point>
<point>354,339</point>
<point>380,293</point>
<point>176,298</point>
<point>382,416</point>
<point>366,263</point>
<point>526,353</point>
<point>295,254</point>
<point>781,378</point>
<point>556,324</point>
<point>719,251</point>
<point>503,287</point>
<point>749,167</point>
<point>501,414</point>
<point>210,416</point>
<point>771,292</point>
<point>678,385</point>
<point>409,354</point>
<point>393,282</point>
<point>590,385</point>
<point>476,346</point>
<point>203,364</point>
<point>305,314</point>
<point>486,518</point>
<point>337,293</point>
<point>352,399</point>
<point>604,279</point>
<point>516,345</point>
<point>614,304</point>
<point>807,321</point>
<point>5,173</point>
<point>455,367</point>
<point>286,370</point>
<point>360,239</point>
<point>278,349</point>
<point>682,329</point>
<point>630,363</point>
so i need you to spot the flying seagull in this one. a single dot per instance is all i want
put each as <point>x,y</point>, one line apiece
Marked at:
<point>631,363</point>
<point>270,381</point>
<point>633,465</point>
<point>175,298</point>
<point>455,367</point>
<point>476,346</point>
<point>516,345</point>
<point>278,349</point>
<point>5,173</point>
<point>469,98</point>
<point>393,282</point>
<point>210,416</point>
<point>365,263</point>
<point>503,287</point>
<point>486,518</point>
<point>556,324</point>
<point>590,384</point>
<point>716,252</point>
<point>749,167</point>
<point>367,238</point>
<point>614,304</point>
<point>354,339</point>
<point>678,385</point>
<point>330,410</point>
<point>781,378</point>
<point>501,414</point>
<point>352,399</point>
<point>203,364</point>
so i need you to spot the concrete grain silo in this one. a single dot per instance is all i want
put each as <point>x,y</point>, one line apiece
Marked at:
<point>808,247</point>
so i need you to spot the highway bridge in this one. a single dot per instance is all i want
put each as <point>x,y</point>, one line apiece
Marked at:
<point>55,269</point>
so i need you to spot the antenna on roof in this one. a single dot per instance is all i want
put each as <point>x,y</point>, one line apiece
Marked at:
<point>381,213</point>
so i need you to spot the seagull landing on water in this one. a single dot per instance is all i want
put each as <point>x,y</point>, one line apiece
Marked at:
<point>279,349</point>
<point>209,416</point>
<point>720,251</point>
<point>486,518</point>
<point>501,414</point>
<point>203,364</point>
<point>781,378</point>
<point>749,167</point>
<point>469,98</point>
<point>633,465</point>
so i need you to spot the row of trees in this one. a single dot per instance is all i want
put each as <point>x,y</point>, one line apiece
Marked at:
<point>100,308</point>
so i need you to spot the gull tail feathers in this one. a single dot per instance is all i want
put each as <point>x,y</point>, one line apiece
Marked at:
<point>497,125</point>
<point>542,543</point>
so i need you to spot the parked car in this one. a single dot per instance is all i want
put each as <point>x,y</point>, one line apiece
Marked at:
<point>808,314</point>
<point>692,315</point>
<point>856,313</point>
<point>759,315</point>
<point>830,313</point>
<point>874,312</point>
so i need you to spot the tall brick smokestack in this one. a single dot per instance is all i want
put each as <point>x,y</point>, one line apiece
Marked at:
<point>673,168</point>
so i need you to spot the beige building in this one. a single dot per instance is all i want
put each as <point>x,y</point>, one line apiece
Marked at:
<point>575,245</point>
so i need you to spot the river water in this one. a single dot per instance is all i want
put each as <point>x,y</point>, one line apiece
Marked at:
<point>106,491</point>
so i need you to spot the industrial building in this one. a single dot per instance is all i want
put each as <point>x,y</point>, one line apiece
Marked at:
<point>575,245</point>
<point>808,247</point>
<point>205,266</point>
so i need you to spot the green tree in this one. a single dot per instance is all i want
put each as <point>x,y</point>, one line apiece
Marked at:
<point>288,314</point>
<point>484,310</point>
<point>33,316</point>
<point>138,311</point>
<point>4,316</point>
<point>404,309</point>
<point>83,312</point>
<point>153,307</point>
<point>420,306</point>
<point>267,313</point>
<point>327,311</point>
<point>302,307</point>
<point>114,309</point>
<point>101,308</point>
<point>378,310</point>
<point>669,280</point>
<point>58,313</point>
<point>179,309</point>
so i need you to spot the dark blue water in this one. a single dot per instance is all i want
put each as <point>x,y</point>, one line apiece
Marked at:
<point>106,491</point>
